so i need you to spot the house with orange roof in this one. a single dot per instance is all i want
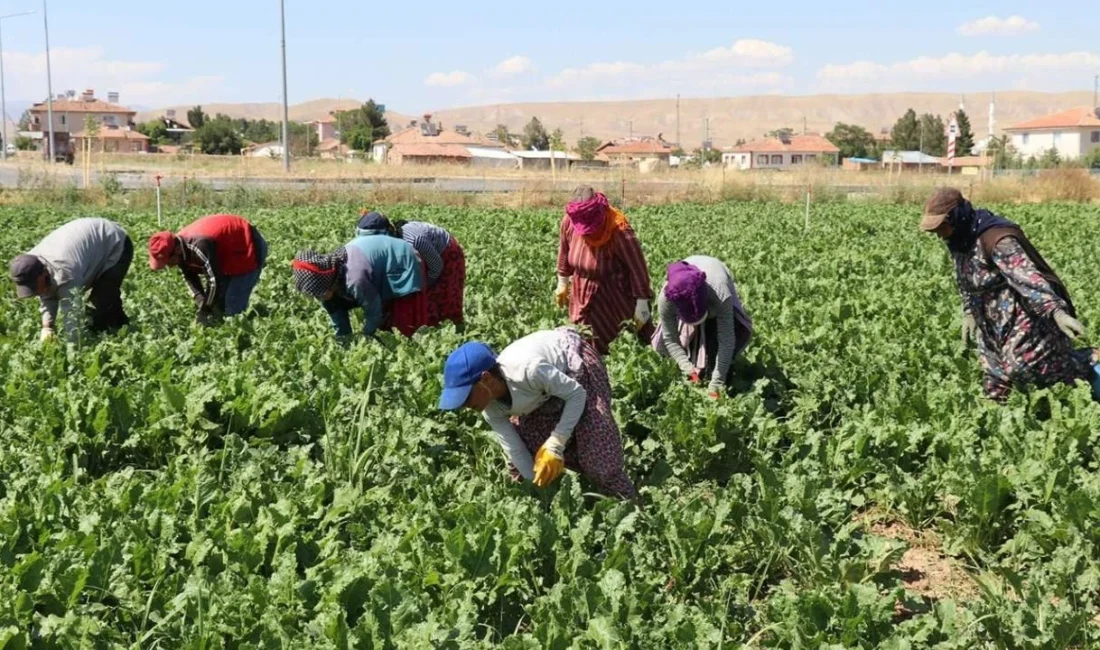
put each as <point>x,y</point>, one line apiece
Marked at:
<point>1073,133</point>
<point>634,152</point>
<point>71,112</point>
<point>782,152</point>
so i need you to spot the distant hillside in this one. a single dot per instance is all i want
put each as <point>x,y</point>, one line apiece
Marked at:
<point>729,118</point>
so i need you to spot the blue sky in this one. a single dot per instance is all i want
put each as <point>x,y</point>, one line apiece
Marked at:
<point>422,56</point>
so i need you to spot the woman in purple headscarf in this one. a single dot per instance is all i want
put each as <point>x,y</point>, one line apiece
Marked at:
<point>702,322</point>
<point>602,274</point>
<point>1015,307</point>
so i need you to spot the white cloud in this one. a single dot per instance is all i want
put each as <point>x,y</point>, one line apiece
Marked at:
<point>1011,26</point>
<point>89,68</point>
<point>1033,71</point>
<point>513,66</point>
<point>448,79</point>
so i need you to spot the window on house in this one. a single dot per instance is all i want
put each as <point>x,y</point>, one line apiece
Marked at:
<point>63,120</point>
<point>796,159</point>
<point>811,156</point>
<point>777,159</point>
<point>762,160</point>
<point>1057,137</point>
<point>1096,136</point>
<point>1025,137</point>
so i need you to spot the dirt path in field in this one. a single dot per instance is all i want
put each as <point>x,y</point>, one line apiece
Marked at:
<point>925,569</point>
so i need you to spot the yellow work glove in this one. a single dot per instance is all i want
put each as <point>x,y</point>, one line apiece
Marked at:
<point>47,334</point>
<point>561,294</point>
<point>550,461</point>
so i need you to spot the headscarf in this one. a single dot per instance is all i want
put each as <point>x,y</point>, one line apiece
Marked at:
<point>374,221</point>
<point>315,273</point>
<point>596,220</point>
<point>969,224</point>
<point>686,289</point>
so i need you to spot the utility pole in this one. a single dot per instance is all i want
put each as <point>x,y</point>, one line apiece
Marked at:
<point>3,97</point>
<point>920,158</point>
<point>1096,91</point>
<point>631,129</point>
<point>678,121</point>
<point>49,81</point>
<point>803,125</point>
<point>286,106</point>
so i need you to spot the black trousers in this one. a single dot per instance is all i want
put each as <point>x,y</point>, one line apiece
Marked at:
<point>105,297</point>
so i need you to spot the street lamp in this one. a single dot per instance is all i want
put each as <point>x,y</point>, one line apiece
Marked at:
<point>3,97</point>
<point>49,80</point>
<point>286,108</point>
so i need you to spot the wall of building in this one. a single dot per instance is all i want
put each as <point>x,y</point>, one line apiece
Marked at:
<point>66,122</point>
<point>1070,143</point>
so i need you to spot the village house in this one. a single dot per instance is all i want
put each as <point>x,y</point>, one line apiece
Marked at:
<point>425,142</point>
<point>1073,133</point>
<point>782,152</point>
<point>70,114</point>
<point>633,153</point>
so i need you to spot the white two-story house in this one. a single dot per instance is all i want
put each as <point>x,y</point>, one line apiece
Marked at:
<point>1073,133</point>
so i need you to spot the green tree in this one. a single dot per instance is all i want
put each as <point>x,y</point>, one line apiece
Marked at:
<point>934,135</point>
<point>23,143</point>
<point>587,146</point>
<point>504,137</point>
<point>1003,154</point>
<point>196,118</point>
<point>360,127</point>
<point>535,136</point>
<point>155,130</point>
<point>1092,160</point>
<point>905,136</point>
<point>853,141</point>
<point>557,140</point>
<point>784,132</point>
<point>25,121</point>
<point>218,137</point>
<point>1049,159</point>
<point>964,140</point>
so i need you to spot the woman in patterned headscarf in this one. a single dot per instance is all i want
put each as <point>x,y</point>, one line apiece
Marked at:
<point>602,274</point>
<point>1015,307</point>
<point>702,324</point>
<point>380,275</point>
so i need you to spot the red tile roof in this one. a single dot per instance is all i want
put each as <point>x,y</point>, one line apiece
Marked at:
<point>412,135</point>
<point>636,147</point>
<point>1075,117</point>
<point>431,150</point>
<point>797,144</point>
<point>79,106</point>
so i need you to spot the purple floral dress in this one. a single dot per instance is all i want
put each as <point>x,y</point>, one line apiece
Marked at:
<point>1014,305</point>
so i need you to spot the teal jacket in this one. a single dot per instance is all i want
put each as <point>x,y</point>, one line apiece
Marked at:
<point>380,268</point>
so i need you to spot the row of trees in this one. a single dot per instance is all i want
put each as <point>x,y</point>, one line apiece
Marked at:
<point>223,135</point>
<point>926,133</point>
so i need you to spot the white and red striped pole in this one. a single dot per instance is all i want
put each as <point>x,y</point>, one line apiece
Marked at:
<point>952,133</point>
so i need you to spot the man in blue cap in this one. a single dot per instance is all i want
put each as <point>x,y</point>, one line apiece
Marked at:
<point>548,398</point>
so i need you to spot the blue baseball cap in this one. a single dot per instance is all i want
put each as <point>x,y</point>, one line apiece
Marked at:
<point>462,372</point>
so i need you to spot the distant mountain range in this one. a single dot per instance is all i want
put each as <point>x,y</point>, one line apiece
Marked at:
<point>722,120</point>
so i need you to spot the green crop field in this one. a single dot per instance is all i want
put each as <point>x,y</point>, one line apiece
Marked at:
<point>259,486</point>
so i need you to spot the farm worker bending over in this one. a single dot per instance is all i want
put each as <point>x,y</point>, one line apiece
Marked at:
<point>1014,305</point>
<point>225,250</point>
<point>702,322</point>
<point>600,258</point>
<point>378,273</point>
<point>444,263</point>
<point>548,398</point>
<point>87,254</point>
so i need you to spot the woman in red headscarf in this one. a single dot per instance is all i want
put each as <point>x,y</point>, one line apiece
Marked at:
<point>602,274</point>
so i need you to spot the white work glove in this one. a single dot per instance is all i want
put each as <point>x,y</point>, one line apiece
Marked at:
<point>641,313</point>
<point>969,330</point>
<point>47,334</point>
<point>1069,325</point>
<point>561,293</point>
